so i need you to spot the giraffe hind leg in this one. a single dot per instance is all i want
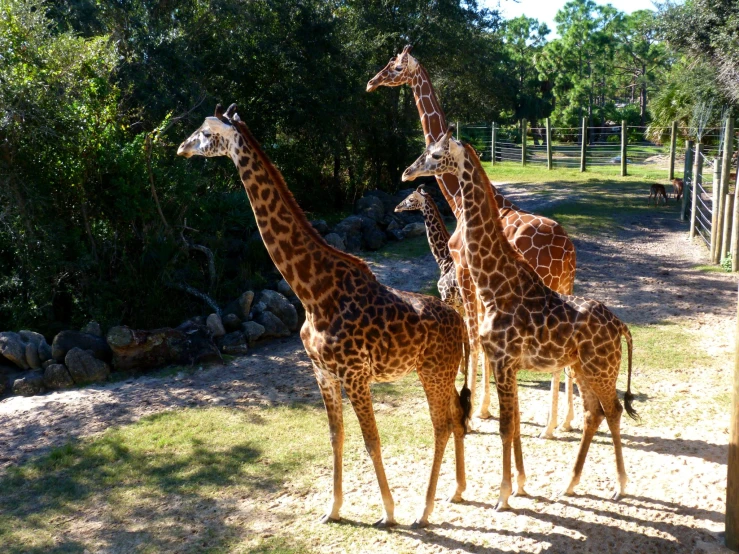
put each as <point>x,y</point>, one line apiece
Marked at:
<point>331,393</point>
<point>548,432</point>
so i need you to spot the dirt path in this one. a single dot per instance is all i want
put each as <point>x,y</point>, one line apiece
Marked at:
<point>644,270</point>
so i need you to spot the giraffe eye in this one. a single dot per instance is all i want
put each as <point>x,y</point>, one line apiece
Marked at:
<point>398,68</point>
<point>206,134</point>
<point>436,156</point>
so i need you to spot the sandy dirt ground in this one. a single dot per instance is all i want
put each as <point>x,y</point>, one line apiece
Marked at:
<point>644,270</point>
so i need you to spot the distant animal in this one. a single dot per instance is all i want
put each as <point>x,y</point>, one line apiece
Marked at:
<point>677,188</point>
<point>656,191</point>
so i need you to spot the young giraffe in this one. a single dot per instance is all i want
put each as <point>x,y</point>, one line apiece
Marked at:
<point>528,325</point>
<point>542,242</point>
<point>357,331</point>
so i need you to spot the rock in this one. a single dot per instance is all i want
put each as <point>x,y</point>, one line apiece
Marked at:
<point>281,307</point>
<point>231,322</point>
<point>252,331</point>
<point>66,340</point>
<point>414,230</point>
<point>92,328</point>
<point>321,226</point>
<point>30,384</point>
<point>13,349</point>
<point>350,231</point>
<point>284,288</point>
<point>84,367</point>
<point>3,385</point>
<point>371,207</point>
<point>273,325</point>
<point>336,241</point>
<point>32,357</point>
<point>56,376</point>
<point>372,237</point>
<point>47,363</point>
<point>215,325</point>
<point>144,349</point>
<point>197,320</point>
<point>234,344</point>
<point>31,336</point>
<point>44,351</point>
<point>245,301</point>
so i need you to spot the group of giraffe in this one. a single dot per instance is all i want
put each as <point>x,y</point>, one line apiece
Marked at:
<point>510,273</point>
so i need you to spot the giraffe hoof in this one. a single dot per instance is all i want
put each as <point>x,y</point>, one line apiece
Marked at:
<point>547,435</point>
<point>456,499</point>
<point>326,518</point>
<point>384,523</point>
<point>616,496</point>
<point>502,507</point>
<point>566,427</point>
<point>482,414</point>
<point>521,493</point>
<point>419,524</point>
<point>566,492</point>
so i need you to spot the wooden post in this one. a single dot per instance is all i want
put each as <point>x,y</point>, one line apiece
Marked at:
<point>696,182</point>
<point>715,240</point>
<point>583,149</point>
<point>523,142</point>
<point>728,224</point>
<point>624,140</point>
<point>549,144</point>
<point>494,134</point>
<point>732,481</point>
<point>724,172</point>
<point>734,244</point>
<point>673,141</point>
<point>687,181</point>
<point>719,208</point>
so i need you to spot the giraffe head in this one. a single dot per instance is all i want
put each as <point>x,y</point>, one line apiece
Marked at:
<point>439,157</point>
<point>414,201</point>
<point>215,137</point>
<point>398,71</point>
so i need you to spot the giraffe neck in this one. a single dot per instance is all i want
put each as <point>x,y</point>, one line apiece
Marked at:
<point>433,122</point>
<point>314,270</point>
<point>496,267</point>
<point>437,235</point>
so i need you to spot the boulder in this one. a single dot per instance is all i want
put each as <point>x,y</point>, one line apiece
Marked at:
<point>234,344</point>
<point>56,376</point>
<point>281,307</point>
<point>333,239</point>
<point>32,357</point>
<point>388,201</point>
<point>31,336</point>
<point>372,237</point>
<point>84,367</point>
<point>414,230</point>
<point>66,340</point>
<point>13,348</point>
<point>47,363</point>
<point>371,207</point>
<point>245,302</point>
<point>144,349</point>
<point>231,322</point>
<point>92,328</point>
<point>215,325</point>
<point>44,351</point>
<point>273,325</point>
<point>283,287</point>
<point>350,231</point>
<point>321,226</point>
<point>3,384</point>
<point>253,331</point>
<point>258,308</point>
<point>30,384</point>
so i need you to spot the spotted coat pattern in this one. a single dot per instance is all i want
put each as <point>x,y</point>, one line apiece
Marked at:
<point>357,331</point>
<point>542,242</point>
<point>527,325</point>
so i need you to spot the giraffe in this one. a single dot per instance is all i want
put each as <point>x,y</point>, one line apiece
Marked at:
<point>528,325</point>
<point>357,331</point>
<point>543,243</point>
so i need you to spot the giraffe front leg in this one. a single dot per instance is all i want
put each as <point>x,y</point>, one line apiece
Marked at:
<point>331,393</point>
<point>506,396</point>
<point>469,299</point>
<point>361,399</point>
<point>517,451</point>
<point>548,433</point>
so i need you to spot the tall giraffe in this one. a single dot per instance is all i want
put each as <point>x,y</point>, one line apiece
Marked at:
<point>357,331</point>
<point>527,325</point>
<point>542,242</point>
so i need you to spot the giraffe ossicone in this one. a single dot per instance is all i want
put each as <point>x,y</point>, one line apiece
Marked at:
<point>357,331</point>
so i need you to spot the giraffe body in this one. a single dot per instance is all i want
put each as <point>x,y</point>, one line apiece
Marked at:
<point>527,325</point>
<point>542,242</point>
<point>357,331</point>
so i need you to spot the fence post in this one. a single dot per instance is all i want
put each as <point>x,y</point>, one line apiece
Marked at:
<point>493,138</point>
<point>728,226</point>
<point>715,239</point>
<point>523,142</point>
<point>696,182</point>
<point>734,244</point>
<point>732,481</point>
<point>549,144</point>
<point>720,209</point>
<point>687,180</point>
<point>624,140</point>
<point>583,149</point>
<point>673,141</point>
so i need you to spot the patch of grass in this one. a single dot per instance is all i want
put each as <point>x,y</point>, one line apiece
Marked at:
<point>710,268</point>
<point>413,247</point>
<point>431,289</point>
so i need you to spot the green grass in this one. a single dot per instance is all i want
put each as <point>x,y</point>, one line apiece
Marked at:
<point>414,247</point>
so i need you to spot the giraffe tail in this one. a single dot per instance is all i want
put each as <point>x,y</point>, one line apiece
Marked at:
<point>465,395</point>
<point>628,395</point>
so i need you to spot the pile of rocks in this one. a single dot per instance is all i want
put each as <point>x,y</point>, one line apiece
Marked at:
<point>29,365</point>
<point>376,222</point>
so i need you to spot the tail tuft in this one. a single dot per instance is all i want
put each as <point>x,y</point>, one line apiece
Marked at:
<point>628,399</point>
<point>465,401</point>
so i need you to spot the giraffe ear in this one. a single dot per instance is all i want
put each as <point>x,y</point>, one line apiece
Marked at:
<point>230,111</point>
<point>219,111</point>
<point>450,132</point>
<point>407,49</point>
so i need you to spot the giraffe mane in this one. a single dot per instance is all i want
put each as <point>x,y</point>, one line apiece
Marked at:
<point>292,204</point>
<point>480,179</point>
<point>437,214</point>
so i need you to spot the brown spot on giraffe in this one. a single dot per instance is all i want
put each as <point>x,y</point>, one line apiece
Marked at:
<point>357,331</point>
<point>580,333</point>
<point>550,253</point>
